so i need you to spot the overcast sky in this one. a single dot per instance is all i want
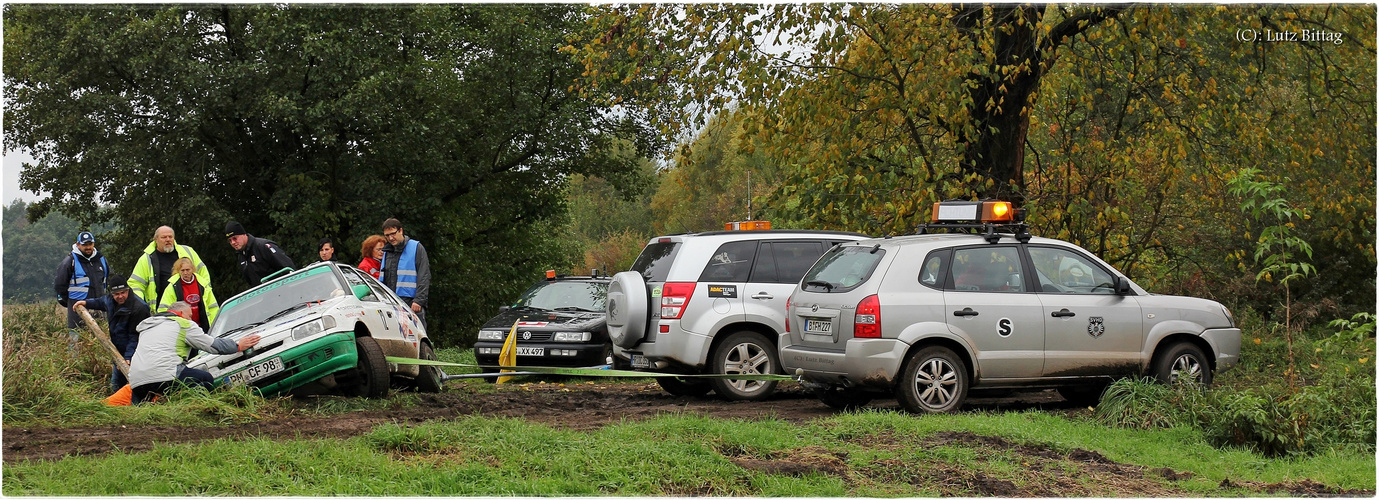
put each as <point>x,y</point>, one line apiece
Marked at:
<point>14,161</point>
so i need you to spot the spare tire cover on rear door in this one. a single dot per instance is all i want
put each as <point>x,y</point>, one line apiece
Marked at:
<point>627,308</point>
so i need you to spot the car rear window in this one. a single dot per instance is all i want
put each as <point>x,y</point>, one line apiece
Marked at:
<point>843,269</point>
<point>654,261</point>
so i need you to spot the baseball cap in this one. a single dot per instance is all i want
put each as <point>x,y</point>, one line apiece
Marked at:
<point>85,237</point>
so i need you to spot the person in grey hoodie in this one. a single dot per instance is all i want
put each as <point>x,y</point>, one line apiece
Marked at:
<point>165,341</point>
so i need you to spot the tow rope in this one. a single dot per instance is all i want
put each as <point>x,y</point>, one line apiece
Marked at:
<point>579,372</point>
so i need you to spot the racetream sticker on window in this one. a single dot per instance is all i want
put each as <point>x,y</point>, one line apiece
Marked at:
<point>724,291</point>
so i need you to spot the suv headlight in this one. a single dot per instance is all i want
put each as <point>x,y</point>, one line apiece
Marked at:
<point>1229,316</point>
<point>491,334</point>
<point>305,330</point>
<point>570,337</point>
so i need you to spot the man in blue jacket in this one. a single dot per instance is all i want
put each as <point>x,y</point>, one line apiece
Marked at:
<point>80,276</point>
<point>124,311</point>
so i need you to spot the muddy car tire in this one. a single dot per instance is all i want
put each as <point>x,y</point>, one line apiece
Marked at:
<point>371,372</point>
<point>842,398</point>
<point>428,377</point>
<point>1183,359</point>
<point>934,380</point>
<point>745,353</point>
<point>677,386</point>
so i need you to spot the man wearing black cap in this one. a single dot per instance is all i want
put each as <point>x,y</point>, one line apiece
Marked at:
<point>81,275</point>
<point>258,257</point>
<point>125,311</point>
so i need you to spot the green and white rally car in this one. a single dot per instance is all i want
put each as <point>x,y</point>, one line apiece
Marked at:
<point>325,328</point>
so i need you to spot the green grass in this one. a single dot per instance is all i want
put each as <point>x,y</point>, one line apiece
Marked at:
<point>671,455</point>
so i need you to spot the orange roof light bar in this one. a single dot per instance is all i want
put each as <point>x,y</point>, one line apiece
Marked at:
<point>748,225</point>
<point>973,211</point>
<point>550,274</point>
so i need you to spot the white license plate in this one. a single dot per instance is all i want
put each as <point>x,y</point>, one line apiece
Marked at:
<point>531,351</point>
<point>818,326</point>
<point>639,361</point>
<point>255,372</point>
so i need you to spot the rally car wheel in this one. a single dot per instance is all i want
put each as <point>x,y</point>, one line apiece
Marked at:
<point>429,377</point>
<point>372,371</point>
<point>747,353</point>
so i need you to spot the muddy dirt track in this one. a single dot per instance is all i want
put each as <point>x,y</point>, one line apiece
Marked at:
<point>598,404</point>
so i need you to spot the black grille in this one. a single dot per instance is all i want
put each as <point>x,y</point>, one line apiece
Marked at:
<point>535,337</point>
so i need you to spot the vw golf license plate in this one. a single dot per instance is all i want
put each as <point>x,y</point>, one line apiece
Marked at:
<point>255,372</point>
<point>531,351</point>
<point>818,326</point>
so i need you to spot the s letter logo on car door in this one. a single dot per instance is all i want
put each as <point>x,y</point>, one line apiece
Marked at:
<point>1004,327</point>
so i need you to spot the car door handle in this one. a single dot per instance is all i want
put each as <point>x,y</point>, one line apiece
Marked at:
<point>1063,313</point>
<point>966,311</point>
<point>763,296</point>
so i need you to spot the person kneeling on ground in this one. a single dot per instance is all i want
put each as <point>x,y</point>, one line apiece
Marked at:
<point>165,340</point>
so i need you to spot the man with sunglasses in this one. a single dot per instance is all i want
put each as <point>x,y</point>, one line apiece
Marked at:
<point>258,257</point>
<point>406,269</point>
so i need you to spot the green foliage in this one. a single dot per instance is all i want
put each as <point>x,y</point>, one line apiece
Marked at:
<point>304,122</point>
<point>1280,249</point>
<point>1252,407</point>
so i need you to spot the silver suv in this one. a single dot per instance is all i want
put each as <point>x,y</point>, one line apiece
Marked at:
<point>712,302</point>
<point>927,317</point>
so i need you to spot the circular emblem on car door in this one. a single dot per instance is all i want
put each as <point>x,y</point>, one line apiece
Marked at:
<point>1095,326</point>
<point>526,335</point>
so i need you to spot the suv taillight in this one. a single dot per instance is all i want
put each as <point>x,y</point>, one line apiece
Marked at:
<point>675,298</point>
<point>867,323</point>
<point>787,314</point>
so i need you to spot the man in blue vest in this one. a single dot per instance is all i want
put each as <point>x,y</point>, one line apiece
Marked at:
<point>80,276</point>
<point>406,269</point>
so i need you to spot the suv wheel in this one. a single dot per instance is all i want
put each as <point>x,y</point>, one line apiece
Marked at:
<point>677,386</point>
<point>934,381</point>
<point>372,371</point>
<point>842,398</point>
<point>747,353</point>
<point>429,377</point>
<point>1182,362</point>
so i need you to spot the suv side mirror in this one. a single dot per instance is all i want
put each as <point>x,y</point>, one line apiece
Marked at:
<point>360,291</point>
<point>1122,285</point>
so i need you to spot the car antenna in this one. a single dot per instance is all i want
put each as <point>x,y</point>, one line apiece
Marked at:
<point>875,247</point>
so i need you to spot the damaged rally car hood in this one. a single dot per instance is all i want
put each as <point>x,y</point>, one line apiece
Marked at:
<point>542,319</point>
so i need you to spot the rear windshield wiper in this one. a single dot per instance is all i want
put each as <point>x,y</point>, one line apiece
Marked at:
<point>820,283</point>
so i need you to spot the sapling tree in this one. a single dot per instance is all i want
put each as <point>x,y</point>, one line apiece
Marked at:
<point>1282,254</point>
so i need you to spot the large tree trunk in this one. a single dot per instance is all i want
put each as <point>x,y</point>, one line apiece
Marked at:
<point>1002,96</point>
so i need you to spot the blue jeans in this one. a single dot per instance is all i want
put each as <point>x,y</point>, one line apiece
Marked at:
<point>117,379</point>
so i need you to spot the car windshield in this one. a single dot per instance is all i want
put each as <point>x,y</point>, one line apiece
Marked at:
<point>287,293</point>
<point>565,295</point>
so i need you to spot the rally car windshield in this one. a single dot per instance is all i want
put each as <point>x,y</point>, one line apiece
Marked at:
<point>565,295</point>
<point>280,296</point>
